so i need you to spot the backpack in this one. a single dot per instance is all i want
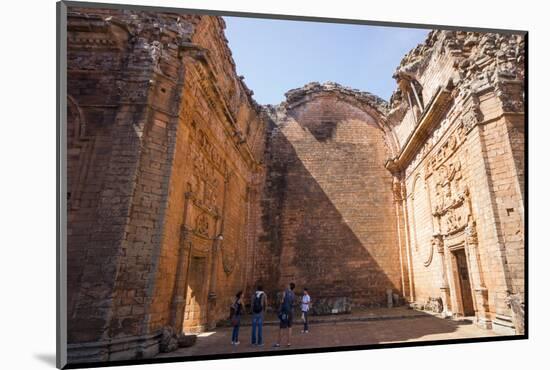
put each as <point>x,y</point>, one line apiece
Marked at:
<point>288,300</point>
<point>232,311</point>
<point>257,304</point>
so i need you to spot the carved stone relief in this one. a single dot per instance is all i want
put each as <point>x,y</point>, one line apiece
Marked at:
<point>450,203</point>
<point>229,258</point>
<point>202,225</point>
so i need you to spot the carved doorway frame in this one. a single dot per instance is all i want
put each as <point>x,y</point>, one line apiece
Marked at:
<point>196,256</point>
<point>458,296</point>
<point>465,238</point>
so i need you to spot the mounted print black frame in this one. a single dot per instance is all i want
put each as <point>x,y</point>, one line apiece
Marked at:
<point>179,193</point>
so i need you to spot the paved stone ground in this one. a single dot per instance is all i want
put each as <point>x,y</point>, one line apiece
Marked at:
<point>270,318</point>
<point>416,326</point>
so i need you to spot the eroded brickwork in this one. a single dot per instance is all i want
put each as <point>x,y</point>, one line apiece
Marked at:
<point>164,142</point>
<point>328,217</point>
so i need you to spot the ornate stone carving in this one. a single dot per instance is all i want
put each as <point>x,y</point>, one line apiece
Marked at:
<point>202,226</point>
<point>229,258</point>
<point>449,192</point>
<point>434,304</point>
<point>516,304</point>
<point>210,152</point>
<point>397,190</point>
<point>437,243</point>
<point>471,232</point>
<point>155,49</point>
<point>445,151</point>
<point>511,95</point>
<point>472,115</point>
<point>451,198</point>
<point>429,259</point>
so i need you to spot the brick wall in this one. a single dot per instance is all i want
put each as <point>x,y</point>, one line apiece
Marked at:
<point>464,175</point>
<point>328,218</point>
<point>160,159</point>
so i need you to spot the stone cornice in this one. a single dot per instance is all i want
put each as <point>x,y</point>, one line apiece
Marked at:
<point>431,117</point>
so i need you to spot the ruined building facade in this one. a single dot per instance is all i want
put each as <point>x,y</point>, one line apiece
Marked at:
<point>182,190</point>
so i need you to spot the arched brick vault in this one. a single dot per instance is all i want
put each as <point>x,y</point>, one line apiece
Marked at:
<point>329,221</point>
<point>373,105</point>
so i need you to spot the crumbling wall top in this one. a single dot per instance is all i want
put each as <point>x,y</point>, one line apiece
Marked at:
<point>302,94</point>
<point>481,58</point>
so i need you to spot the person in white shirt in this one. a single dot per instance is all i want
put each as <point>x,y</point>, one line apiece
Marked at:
<point>306,303</point>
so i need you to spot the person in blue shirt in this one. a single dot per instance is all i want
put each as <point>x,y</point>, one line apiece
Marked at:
<point>285,314</point>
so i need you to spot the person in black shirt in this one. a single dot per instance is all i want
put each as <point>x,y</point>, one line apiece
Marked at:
<point>236,312</point>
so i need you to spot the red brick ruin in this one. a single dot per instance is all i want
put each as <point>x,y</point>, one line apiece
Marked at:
<point>183,190</point>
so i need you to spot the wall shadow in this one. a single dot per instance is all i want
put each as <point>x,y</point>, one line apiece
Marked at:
<point>306,238</point>
<point>336,335</point>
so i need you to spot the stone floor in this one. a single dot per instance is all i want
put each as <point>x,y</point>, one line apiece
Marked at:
<point>357,315</point>
<point>390,326</point>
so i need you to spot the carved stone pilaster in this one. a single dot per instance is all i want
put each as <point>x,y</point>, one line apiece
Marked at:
<point>439,247</point>
<point>398,192</point>
<point>472,114</point>
<point>437,242</point>
<point>516,304</point>
<point>471,233</point>
<point>482,299</point>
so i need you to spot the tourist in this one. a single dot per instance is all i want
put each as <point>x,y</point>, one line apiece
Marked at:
<point>236,312</point>
<point>285,314</point>
<point>306,301</point>
<point>258,306</point>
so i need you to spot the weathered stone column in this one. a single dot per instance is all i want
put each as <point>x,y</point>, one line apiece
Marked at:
<point>481,301</point>
<point>184,257</point>
<point>437,242</point>
<point>212,296</point>
<point>398,199</point>
<point>216,246</point>
<point>408,246</point>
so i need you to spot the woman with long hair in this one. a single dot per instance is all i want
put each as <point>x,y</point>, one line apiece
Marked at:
<point>236,312</point>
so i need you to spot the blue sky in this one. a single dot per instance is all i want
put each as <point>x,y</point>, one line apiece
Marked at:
<point>278,55</point>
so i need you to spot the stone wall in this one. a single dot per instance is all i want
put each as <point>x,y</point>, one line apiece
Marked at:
<point>164,139</point>
<point>458,114</point>
<point>327,209</point>
<point>220,138</point>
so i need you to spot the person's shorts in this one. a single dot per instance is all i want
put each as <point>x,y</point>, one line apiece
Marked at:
<point>286,323</point>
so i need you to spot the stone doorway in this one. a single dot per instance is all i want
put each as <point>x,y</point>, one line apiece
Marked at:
<point>462,283</point>
<point>195,308</point>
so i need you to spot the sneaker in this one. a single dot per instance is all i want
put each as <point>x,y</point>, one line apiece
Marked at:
<point>307,331</point>
<point>237,343</point>
<point>232,342</point>
<point>276,345</point>
<point>303,331</point>
<point>260,345</point>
